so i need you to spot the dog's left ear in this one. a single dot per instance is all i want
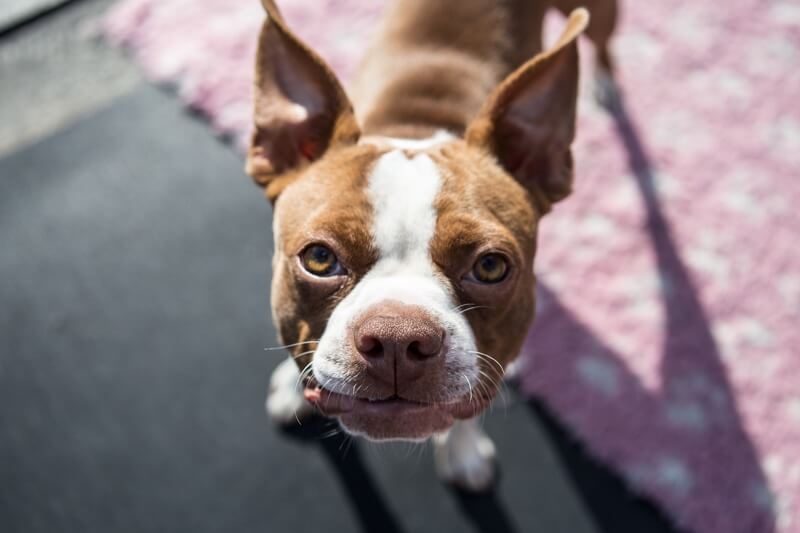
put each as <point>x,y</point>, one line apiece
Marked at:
<point>301,110</point>
<point>528,122</point>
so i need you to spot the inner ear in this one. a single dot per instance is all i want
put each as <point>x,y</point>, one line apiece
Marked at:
<point>529,120</point>
<point>301,110</point>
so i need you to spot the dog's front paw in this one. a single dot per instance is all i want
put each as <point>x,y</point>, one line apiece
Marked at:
<point>465,456</point>
<point>285,402</point>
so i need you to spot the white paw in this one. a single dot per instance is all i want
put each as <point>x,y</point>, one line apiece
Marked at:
<point>606,90</point>
<point>513,371</point>
<point>465,456</point>
<point>285,402</point>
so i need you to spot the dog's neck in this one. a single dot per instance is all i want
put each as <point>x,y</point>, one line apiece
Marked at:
<point>435,62</point>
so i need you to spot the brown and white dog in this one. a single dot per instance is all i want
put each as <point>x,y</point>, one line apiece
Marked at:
<point>405,229</point>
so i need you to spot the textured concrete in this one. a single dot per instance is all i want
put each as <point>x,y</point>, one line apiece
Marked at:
<point>57,70</point>
<point>12,12</point>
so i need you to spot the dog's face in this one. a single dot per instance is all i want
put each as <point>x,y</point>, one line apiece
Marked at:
<point>408,267</point>
<point>403,271</point>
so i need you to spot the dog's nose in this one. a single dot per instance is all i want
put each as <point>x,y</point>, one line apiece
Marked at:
<point>398,342</point>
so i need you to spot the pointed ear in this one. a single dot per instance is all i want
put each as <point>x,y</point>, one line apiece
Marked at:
<point>528,122</point>
<point>301,109</point>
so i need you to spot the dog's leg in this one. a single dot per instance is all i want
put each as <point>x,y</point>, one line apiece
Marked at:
<point>604,19</point>
<point>465,456</point>
<point>285,402</point>
<point>601,27</point>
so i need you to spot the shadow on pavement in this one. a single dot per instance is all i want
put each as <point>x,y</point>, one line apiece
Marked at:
<point>691,373</point>
<point>344,455</point>
<point>484,510</point>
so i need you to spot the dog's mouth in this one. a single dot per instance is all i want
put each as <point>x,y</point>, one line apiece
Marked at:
<point>335,404</point>
<point>393,417</point>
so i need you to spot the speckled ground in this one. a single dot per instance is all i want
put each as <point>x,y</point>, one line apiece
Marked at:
<point>57,70</point>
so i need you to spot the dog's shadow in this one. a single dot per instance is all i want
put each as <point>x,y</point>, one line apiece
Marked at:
<point>692,375</point>
<point>372,511</point>
<point>344,456</point>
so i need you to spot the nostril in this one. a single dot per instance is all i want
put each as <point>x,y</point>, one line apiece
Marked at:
<point>415,351</point>
<point>425,348</point>
<point>370,347</point>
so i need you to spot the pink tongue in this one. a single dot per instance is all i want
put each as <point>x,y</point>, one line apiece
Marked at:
<point>312,395</point>
<point>330,403</point>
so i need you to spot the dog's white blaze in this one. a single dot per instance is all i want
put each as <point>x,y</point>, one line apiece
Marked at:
<point>403,194</point>
<point>440,137</point>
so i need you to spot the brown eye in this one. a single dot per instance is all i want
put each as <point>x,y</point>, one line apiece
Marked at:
<point>320,261</point>
<point>490,268</point>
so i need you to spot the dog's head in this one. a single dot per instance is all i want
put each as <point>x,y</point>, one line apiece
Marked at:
<point>403,270</point>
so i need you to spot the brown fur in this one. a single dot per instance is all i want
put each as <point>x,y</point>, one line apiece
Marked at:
<point>436,62</point>
<point>481,208</point>
<point>437,65</point>
<point>328,204</point>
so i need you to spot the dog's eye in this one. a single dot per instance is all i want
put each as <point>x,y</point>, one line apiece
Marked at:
<point>490,268</point>
<point>320,261</point>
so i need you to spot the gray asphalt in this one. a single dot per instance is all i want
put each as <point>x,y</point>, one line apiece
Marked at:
<point>14,12</point>
<point>56,70</point>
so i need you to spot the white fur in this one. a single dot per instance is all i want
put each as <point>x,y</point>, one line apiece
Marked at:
<point>285,402</point>
<point>465,456</point>
<point>440,137</point>
<point>403,193</point>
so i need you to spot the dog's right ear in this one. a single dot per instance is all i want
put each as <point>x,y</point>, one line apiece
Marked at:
<point>528,122</point>
<point>301,110</point>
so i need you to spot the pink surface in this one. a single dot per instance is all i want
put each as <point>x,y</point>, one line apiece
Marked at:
<point>670,298</point>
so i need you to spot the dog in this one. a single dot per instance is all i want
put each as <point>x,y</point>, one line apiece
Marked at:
<point>406,227</point>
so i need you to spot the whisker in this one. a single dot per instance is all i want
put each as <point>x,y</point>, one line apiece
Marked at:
<point>492,359</point>
<point>347,441</point>
<point>502,389</point>
<point>469,386</point>
<point>468,309</point>
<point>324,385</point>
<point>285,346</point>
<point>297,383</point>
<point>302,374</point>
<point>493,378</point>
<point>301,354</point>
<point>499,371</point>
<point>495,372</point>
<point>331,433</point>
